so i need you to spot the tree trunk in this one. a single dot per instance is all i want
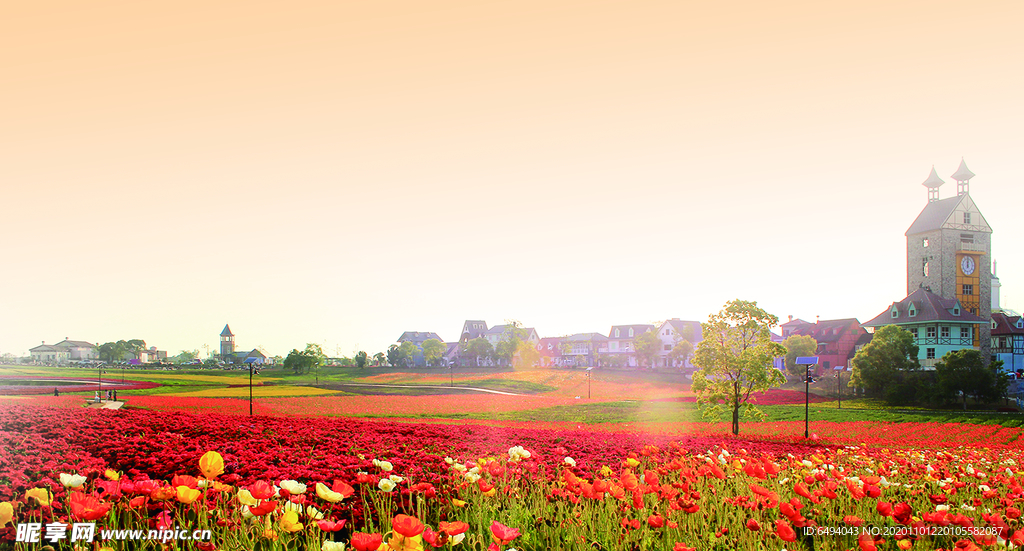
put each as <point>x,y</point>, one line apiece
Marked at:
<point>736,419</point>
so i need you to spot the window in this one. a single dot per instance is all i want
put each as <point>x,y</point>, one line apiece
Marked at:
<point>930,332</point>
<point>967,218</point>
<point>912,311</point>
<point>668,347</point>
<point>924,242</point>
<point>924,268</point>
<point>968,289</point>
<point>1020,323</point>
<point>967,238</point>
<point>965,333</point>
<point>956,310</point>
<point>895,313</point>
<point>993,324</point>
<point>913,331</point>
<point>631,332</point>
<point>944,332</point>
<point>930,353</point>
<point>974,311</point>
<point>616,333</point>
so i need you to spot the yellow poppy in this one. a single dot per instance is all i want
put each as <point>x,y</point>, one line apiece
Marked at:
<point>211,464</point>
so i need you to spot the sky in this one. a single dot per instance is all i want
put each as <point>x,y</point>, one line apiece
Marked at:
<point>341,172</point>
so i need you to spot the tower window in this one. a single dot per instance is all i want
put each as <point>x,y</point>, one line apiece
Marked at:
<point>967,238</point>
<point>630,331</point>
<point>967,218</point>
<point>924,242</point>
<point>968,289</point>
<point>924,268</point>
<point>944,332</point>
<point>930,332</point>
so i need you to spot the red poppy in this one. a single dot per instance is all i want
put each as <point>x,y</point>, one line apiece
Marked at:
<point>87,506</point>
<point>1017,538</point>
<point>366,542</point>
<point>884,508</point>
<point>785,531</point>
<point>503,534</point>
<point>261,489</point>
<point>655,521</point>
<point>407,526</point>
<point>452,528</point>
<point>342,488</point>
<point>265,507</point>
<point>753,525</point>
<point>851,520</point>
<point>330,525</point>
<point>435,539</point>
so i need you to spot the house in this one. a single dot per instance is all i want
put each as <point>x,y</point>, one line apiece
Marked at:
<point>620,344</point>
<point>582,349</point>
<point>550,349</point>
<point>152,355</point>
<point>252,357</point>
<point>63,352</point>
<point>418,338</point>
<point>836,340</point>
<point>1008,340</point>
<point>939,325</point>
<point>671,333</point>
<point>792,325</point>
<point>472,329</point>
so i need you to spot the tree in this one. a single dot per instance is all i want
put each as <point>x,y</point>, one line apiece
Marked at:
<point>796,346</point>
<point>315,357</point>
<point>295,361</point>
<point>379,359</point>
<point>408,351</point>
<point>646,347</point>
<point>361,359</point>
<point>433,351</point>
<point>111,352</point>
<point>135,347</point>
<point>394,356</point>
<point>527,355</point>
<point>186,356</point>
<point>963,372</point>
<point>478,348</point>
<point>682,351</point>
<point>736,358</point>
<point>511,337</point>
<point>885,364</point>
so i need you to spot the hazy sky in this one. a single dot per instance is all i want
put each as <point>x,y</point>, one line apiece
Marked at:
<point>341,172</point>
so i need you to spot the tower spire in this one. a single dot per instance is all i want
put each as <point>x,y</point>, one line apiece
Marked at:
<point>932,183</point>
<point>963,177</point>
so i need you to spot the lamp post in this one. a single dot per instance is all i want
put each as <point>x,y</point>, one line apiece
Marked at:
<point>808,361</point>
<point>839,383</point>
<point>252,364</point>
<point>589,369</point>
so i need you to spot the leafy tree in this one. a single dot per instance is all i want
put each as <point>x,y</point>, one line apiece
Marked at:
<point>963,372</point>
<point>112,351</point>
<point>408,351</point>
<point>315,357</point>
<point>361,359</point>
<point>527,355</point>
<point>186,356</point>
<point>511,337</point>
<point>477,348</point>
<point>647,347</point>
<point>796,346</point>
<point>736,359</point>
<point>296,361</point>
<point>135,347</point>
<point>379,359</point>
<point>682,351</point>
<point>433,351</point>
<point>883,367</point>
<point>394,355</point>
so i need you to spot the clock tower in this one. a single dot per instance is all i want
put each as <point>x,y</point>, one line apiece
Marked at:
<point>949,252</point>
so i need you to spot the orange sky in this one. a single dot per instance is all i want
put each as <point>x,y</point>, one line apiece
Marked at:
<point>341,172</point>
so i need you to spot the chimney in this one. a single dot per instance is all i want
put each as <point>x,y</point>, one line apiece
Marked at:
<point>791,317</point>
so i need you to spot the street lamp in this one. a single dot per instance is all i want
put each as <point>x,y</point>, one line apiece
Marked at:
<point>252,365</point>
<point>589,369</point>
<point>839,383</point>
<point>808,361</point>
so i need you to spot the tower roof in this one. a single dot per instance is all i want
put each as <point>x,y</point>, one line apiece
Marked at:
<point>226,332</point>
<point>963,173</point>
<point>933,180</point>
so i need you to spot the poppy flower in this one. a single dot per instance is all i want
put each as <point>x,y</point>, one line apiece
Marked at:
<point>330,525</point>
<point>42,495</point>
<point>503,534</point>
<point>184,480</point>
<point>72,480</point>
<point>655,521</point>
<point>327,494</point>
<point>87,507</point>
<point>680,547</point>
<point>435,539</point>
<point>290,522</point>
<point>211,464</point>
<point>366,542</point>
<point>261,489</point>
<point>407,526</point>
<point>264,508</point>
<point>452,528</point>
<point>6,513</point>
<point>187,495</point>
<point>785,531</point>
<point>753,525</point>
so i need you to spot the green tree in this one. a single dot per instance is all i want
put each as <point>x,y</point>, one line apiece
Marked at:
<point>647,346</point>
<point>186,356</point>
<point>477,348</point>
<point>883,367</point>
<point>135,347</point>
<point>682,351</point>
<point>962,372</point>
<point>394,356</point>
<point>379,359</point>
<point>111,352</point>
<point>361,359</point>
<point>315,357</point>
<point>796,346</point>
<point>511,337</point>
<point>296,361</point>
<point>527,355</point>
<point>433,351</point>
<point>736,358</point>
<point>408,351</point>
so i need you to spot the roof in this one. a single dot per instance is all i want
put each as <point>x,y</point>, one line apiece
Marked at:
<point>929,307</point>
<point>827,330</point>
<point>680,327</point>
<point>226,332</point>
<point>934,215</point>
<point>473,333</point>
<point>586,337</point>
<point>963,173</point>
<point>1006,324</point>
<point>44,348</point>
<point>76,344</point>
<point>933,180</point>
<point>638,330</point>
<point>796,321</point>
<point>419,336</point>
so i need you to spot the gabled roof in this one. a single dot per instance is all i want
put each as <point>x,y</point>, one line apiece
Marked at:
<point>827,330</point>
<point>585,337</point>
<point>226,332</point>
<point>928,307</point>
<point>939,214</point>
<point>75,344</point>
<point>796,321</point>
<point>638,330</point>
<point>1006,324</point>
<point>418,337</point>
<point>680,327</point>
<point>44,348</point>
<point>467,327</point>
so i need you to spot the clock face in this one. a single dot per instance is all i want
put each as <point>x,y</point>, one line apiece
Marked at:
<point>967,265</point>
